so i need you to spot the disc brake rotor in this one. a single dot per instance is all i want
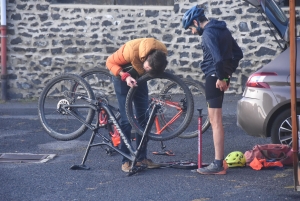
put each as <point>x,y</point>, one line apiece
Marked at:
<point>60,104</point>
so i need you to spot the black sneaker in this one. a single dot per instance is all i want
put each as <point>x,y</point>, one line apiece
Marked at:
<point>212,169</point>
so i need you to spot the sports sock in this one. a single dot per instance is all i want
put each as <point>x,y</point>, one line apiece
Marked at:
<point>219,163</point>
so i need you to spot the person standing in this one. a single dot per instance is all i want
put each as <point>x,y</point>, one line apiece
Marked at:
<point>221,56</point>
<point>127,64</point>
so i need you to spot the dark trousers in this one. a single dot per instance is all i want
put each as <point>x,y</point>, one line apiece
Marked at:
<point>141,106</point>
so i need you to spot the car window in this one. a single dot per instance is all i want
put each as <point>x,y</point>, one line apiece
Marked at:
<point>277,12</point>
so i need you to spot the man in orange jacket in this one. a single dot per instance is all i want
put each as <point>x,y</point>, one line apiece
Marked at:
<point>129,62</point>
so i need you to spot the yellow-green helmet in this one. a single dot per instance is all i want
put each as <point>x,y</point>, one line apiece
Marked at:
<point>235,159</point>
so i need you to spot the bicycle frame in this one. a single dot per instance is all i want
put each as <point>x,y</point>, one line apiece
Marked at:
<point>159,130</point>
<point>112,121</point>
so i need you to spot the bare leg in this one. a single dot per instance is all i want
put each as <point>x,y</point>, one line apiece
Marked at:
<point>215,117</point>
<point>214,100</point>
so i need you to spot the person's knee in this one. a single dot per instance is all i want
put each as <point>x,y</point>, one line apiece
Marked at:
<point>215,115</point>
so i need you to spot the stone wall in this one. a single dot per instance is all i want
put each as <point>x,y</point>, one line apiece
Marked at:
<point>47,39</point>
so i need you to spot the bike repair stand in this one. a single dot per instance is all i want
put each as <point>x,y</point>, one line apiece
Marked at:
<point>200,164</point>
<point>82,166</point>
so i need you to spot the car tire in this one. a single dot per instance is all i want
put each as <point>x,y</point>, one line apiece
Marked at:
<point>281,129</point>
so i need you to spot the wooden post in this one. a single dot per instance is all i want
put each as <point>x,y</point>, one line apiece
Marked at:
<point>293,94</point>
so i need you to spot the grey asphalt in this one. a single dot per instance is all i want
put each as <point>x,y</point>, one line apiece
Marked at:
<point>21,132</point>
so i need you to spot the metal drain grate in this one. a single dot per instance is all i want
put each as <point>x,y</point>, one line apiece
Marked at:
<point>25,158</point>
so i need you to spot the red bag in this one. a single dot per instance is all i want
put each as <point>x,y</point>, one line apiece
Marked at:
<point>278,152</point>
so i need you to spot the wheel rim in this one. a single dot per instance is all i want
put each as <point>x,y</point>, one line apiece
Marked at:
<point>54,118</point>
<point>285,131</point>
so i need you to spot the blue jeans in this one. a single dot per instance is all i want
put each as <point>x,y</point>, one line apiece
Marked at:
<point>141,107</point>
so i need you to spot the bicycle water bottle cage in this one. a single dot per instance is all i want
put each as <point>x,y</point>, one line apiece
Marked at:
<point>115,137</point>
<point>103,117</point>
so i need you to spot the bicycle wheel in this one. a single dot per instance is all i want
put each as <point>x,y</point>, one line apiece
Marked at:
<point>198,93</point>
<point>54,118</point>
<point>176,108</point>
<point>100,80</point>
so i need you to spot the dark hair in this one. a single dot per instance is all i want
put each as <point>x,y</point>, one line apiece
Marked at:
<point>202,19</point>
<point>157,61</point>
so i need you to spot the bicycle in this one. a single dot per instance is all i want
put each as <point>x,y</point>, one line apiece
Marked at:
<point>199,99</point>
<point>100,78</point>
<point>61,106</point>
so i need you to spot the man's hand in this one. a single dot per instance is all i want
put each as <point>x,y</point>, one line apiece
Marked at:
<point>222,85</point>
<point>131,82</point>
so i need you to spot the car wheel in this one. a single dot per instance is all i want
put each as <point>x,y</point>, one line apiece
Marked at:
<point>281,132</point>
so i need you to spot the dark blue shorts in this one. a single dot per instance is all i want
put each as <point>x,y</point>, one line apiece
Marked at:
<point>214,96</point>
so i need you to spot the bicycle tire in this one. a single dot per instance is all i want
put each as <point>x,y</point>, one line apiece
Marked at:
<point>59,91</point>
<point>100,80</point>
<point>198,93</point>
<point>183,99</point>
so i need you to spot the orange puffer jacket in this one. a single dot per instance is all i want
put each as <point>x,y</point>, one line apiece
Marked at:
<point>134,52</point>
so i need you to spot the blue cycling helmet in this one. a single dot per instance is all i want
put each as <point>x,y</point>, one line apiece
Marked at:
<point>190,15</point>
